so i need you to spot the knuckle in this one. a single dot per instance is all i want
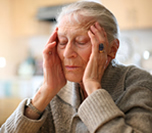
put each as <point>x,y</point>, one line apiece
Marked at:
<point>44,51</point>
<point>95,31</point>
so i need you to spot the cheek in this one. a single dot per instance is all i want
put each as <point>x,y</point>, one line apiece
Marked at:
<point>88,52</point>
<point>85,55</point>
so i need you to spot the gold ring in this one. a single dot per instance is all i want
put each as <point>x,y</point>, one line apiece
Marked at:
<point>101,47</point>
<point>101,51</point>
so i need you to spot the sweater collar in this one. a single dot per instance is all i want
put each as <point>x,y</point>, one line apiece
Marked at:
<point>72,94</point>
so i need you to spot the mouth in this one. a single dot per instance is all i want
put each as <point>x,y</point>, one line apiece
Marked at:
<point>71,68</point>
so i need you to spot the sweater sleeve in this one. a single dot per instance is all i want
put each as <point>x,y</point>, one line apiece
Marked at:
<point>101,114</point>
<point>18,123</point>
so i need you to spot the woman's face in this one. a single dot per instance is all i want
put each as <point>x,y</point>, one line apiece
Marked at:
<point>74,49</point>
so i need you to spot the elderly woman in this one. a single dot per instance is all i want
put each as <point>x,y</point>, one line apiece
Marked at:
<point>85,89</point>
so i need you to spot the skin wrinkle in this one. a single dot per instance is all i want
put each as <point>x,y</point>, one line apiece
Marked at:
<point>80,20</point>
<point>71,35</point>
<point>83,22</point>
<point>70,53</point>
<point>86,21</point>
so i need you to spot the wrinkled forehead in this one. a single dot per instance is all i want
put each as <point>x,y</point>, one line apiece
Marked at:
<point>77,20</point>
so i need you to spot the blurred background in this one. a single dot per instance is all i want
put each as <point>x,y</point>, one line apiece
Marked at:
<point>25,26</point>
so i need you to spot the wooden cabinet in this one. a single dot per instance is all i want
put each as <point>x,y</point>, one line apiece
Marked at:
<point>18,23</point>
<point>131,14</point>
<point>24,18</point>
<point>8,105</point>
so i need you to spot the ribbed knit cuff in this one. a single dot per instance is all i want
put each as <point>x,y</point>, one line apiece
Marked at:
<point>98,109</point>
<point>18,123</point>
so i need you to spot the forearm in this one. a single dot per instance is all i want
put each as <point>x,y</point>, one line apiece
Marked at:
<point>100,114</point>
<point>18,123</point>
<point>40,102</point>
<point>98,109</point>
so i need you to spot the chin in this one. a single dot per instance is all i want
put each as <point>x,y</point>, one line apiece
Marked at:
<point>76,79</point>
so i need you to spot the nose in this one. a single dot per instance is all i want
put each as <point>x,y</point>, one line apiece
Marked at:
<point>70,50</point>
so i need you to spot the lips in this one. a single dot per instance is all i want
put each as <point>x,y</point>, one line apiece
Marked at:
<point>67,67</point>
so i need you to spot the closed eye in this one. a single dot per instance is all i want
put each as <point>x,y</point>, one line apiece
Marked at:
<point>62,43</point>
<point>81,43</point>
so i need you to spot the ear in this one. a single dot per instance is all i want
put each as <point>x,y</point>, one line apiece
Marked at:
<point>114,45</point>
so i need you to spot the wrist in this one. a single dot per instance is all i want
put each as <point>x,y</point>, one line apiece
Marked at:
<point>91,86</point>
<point>31,114</point>
<point>41,99</point>
<point>33,108</point>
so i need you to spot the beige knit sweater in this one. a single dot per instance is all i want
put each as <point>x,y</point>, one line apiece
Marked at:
<point>124,105</point>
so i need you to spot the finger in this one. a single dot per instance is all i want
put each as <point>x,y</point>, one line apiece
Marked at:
<point>53,37</point>
<point>101,35</point>
<point>94,42</point>
<point>97,25</point>
<point>107,62</point>
<point>106,40</point>
<point>100,29</point>
<point>49,49</point>
<point>98,32</point>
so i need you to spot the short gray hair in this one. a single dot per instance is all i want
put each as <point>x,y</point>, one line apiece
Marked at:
<point>94,12</point>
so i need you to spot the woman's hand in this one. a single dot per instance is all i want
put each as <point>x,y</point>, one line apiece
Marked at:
<point>54,78</point>
<point>98,62</point>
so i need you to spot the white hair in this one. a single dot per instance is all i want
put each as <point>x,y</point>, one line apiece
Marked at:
<point>92,12</point>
